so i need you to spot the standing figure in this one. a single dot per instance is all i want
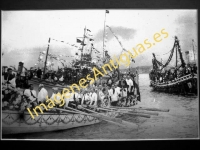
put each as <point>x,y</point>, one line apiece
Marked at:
<point>42,94</point>
<point>39,73</point>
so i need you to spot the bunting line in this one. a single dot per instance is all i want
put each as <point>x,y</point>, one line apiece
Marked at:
<point>73,45</point>
<point>116,38</point>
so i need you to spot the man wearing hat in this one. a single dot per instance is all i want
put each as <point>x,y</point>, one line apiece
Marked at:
<point>56,97</point>
<point>42,94</point>
<point>54,92</point>
<point>31,93</point>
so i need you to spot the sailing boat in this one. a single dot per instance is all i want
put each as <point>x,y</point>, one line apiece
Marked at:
<point>177,79</point>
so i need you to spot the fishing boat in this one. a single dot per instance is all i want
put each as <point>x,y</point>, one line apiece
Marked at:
<point>178,79</point>
<point>14,122</point>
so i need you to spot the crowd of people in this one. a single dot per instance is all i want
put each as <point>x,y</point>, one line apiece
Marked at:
<point>101,93</point>
<point>165,75</point>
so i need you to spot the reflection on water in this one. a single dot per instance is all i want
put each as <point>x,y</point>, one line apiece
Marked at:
<point>180,122</point>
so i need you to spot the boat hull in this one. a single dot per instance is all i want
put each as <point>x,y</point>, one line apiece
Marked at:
<point>175,84</point>
<point>15,123</point>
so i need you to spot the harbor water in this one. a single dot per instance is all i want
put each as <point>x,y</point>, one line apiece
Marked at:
<point>180,122</point>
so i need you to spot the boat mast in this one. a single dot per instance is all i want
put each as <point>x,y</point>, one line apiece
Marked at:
<point>193,49</point>
<point>45,63</point>
<point>83,44</point>
<point>176,55</point>
<point>104,32</point>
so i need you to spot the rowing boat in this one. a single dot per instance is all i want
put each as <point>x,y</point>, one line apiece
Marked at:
<point>14,122</point>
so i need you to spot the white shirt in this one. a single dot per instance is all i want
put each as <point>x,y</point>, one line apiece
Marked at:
<point>110,92</point>
<point>42,95</point>
<point>101,95</point>
<point>80,95</point>
<point>67,100</point>
<point>130,83</point>
<point>86,97</point>
<point>124,92</point>
<point>27,92</point>
<point>93,97</point>
<point>115,95</point>
<point>13,82</point>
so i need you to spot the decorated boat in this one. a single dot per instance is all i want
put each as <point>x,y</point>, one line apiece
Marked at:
<point>80,67</point>
<point>14,122</point>
<point>85,60</point>
<point>179,79</point>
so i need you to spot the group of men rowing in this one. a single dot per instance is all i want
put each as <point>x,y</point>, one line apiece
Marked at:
<point>120,93</point>
<point>123,92</point>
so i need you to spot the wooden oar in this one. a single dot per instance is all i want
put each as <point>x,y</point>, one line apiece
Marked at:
<point>143,108</point>
<point>130,113</point>
<point>124,123</point>
<point>93,115</point>
<point>116,121</point>
<point>153,109</point>
<point>135,111</point>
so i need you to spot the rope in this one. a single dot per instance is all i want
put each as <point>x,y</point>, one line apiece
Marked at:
<point>169,59</point>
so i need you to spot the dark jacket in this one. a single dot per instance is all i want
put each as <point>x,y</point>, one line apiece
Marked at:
<point>8,77</point>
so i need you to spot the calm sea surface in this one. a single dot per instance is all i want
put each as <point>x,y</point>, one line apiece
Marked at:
<point>180,122</point>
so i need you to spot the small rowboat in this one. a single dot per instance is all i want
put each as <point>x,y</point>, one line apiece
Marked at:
<point>14,122</point>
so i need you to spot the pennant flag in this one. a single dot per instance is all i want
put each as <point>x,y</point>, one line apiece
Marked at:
<point>91,39</point>
<point>83,44</point>
<point>88,30</point>
<point>49,40</point>
<point>78,41</point>
<point>107,11</point>
<point>61,41</point>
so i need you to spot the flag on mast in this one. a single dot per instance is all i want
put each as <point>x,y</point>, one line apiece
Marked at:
<point>107,11</point>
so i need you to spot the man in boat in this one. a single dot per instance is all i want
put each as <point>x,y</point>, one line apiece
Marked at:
<point>104,98</point>
<point>8,76</point>
<point>130,85</point>
<point>124,94</point>
<point>115,95</point>
<point>188,69</point>
<point>42,94</point>
<point>122,79</point>
<point>39,73</point>
<point>31,94</point>
<point>78,99</point>
<point>93,98</point>
<point>194,68</point>
<point>86,97</point>
<point>69,101</point>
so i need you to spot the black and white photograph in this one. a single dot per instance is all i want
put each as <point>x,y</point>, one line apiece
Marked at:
<point>99,74</point>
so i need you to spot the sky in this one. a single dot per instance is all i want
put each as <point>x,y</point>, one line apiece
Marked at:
<point>26,33</point>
